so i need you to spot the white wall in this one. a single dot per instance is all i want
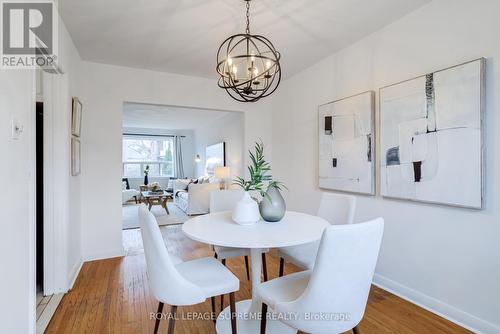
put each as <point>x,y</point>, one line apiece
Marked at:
<point>104,90</point>
<point>228,129</point>
<point>444,258</point>
<point>17,305</point>
<point>17,240</point>
<point>71,197</point>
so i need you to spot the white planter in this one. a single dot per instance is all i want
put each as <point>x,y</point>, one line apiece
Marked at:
<point>246,211</point>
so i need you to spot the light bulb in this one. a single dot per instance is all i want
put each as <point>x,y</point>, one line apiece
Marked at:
<point>268,64</point>
<point>252,56</point>
<point>235,69</point>
<point>229,61</point>
<point>256,71</point>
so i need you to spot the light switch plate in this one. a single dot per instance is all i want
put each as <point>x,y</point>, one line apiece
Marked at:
<point>17,129</point>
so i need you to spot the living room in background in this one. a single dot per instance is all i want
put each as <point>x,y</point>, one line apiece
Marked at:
<point>167,140</point>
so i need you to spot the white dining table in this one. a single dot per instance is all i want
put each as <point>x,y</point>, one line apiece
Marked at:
<point>219,229</point>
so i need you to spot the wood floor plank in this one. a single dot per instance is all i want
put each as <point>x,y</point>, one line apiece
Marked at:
<point>113,296</point>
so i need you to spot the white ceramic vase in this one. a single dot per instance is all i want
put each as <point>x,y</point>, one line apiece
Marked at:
<point>246,211</point>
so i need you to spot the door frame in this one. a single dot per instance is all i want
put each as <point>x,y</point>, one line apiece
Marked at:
<point>56,186</point>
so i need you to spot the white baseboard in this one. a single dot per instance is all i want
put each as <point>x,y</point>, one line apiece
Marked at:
<point>433,305</point>
<point>74,273</point>
<point>104,254</point>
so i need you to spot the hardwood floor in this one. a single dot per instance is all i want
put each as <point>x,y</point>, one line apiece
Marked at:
<point>113,296</point>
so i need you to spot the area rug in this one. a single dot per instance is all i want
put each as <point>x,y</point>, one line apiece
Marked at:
<point>131,218</point>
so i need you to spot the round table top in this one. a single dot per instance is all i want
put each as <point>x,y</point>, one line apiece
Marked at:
<point>219,229</point>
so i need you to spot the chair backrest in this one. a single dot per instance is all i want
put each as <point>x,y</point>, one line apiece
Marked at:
<point>167,284</point>
<point>337,208</point>
<point>224,200</point>
<point>125,179</point>
<point>341,279</point>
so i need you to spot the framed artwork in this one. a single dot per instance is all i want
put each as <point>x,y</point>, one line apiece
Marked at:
<point>76,117</point>
<point>346,139</point>
<point>215,156</point>
<point>75,156</point>
<point>431,137</point>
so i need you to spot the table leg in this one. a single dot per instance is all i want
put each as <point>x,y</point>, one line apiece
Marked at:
<point>165,205</point>
<point>249,310</point>
<point>256,254</point>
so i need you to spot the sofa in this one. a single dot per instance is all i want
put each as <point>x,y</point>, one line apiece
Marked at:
<point>193,196</point>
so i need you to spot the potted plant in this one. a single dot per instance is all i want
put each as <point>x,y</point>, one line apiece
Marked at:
<point>247,210</point>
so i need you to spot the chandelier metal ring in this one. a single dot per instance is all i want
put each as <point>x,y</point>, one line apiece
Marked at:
<point>248,65</point>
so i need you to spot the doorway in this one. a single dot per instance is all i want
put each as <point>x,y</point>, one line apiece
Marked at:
<point>164,147</point>
<point>39,198</point>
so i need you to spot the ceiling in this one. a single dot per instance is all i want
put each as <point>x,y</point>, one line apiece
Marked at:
<point>151,116</point>
<point>182,36</point>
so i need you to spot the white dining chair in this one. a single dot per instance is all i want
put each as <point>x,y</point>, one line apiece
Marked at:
<point>336,209</point>
<point>184,283</point>
<point>225,200</point>
<point>332,297</point>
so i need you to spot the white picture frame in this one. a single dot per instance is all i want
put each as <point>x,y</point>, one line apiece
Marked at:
<point>76,117</point>
<point>346,144</point>
<point>431,137</point>
<point>76,155</point>
<point>215,156</point>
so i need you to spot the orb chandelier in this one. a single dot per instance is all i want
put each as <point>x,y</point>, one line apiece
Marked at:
<point>248,65</point>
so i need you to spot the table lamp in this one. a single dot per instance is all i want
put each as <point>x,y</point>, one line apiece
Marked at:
<point>222,173</point>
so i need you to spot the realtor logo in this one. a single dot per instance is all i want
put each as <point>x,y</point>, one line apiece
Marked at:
<point>29,34</point>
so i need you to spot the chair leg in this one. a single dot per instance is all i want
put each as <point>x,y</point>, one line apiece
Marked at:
<point>171,323</point>
<point>212,300</point>
<point>263,320</point>
<point>222,296</point>
<point>264,266</point>
<point>355,330</point>
<point>158,317</point>
<point>246,267</point>
<point>135,197</point>
<point>282,266</point>
<point>232,308</point>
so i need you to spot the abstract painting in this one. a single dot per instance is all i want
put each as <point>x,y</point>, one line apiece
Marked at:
<point>431,137</point>
<point>346,152</point>
<point>215,156</point>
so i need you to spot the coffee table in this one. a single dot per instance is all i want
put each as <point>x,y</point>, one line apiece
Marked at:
<point>153,198</point>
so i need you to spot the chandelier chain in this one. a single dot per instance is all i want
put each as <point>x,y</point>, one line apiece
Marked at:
<point>248,18</point>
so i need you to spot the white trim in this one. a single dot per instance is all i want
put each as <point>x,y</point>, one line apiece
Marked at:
<point>48,312</point>
<point>31,207</point>
<point>74,273</point>
<point>111,253</point>
<point>438,307</point>
<point>56,183</point>
<point>48,190</point>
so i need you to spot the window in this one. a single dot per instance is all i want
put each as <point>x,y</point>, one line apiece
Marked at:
<point>141,151</point>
